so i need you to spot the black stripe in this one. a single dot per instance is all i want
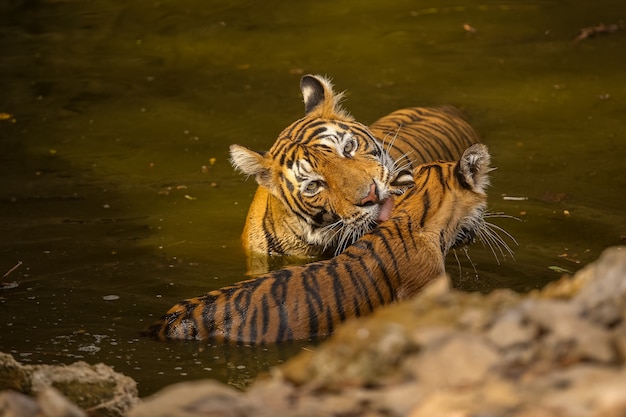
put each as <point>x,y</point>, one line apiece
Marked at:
<point>338,291</point>
<point>265,311</point>
<point>241,303</point>
<point>400,234</point>
<point>343,125</point>
<point>368,274</point>
<point>279,292</point>
<point>360,288</point>
<point>270,235</point>
<point>295,126</point>
<point>253,325</point>
<point>311,132</point>
<point>460,177</point>
<point>426,206</point>
<point>385,234</point>
<point>381,264</point>
<point>312,297</point>
<point>330,321</point>
<point>402,150</point>
<point>227,320</point>
<point>440,176</point>
<point>208,314</point>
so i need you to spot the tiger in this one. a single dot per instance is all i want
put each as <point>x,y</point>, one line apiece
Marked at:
<point>328,179</point>
<point>444,209</point>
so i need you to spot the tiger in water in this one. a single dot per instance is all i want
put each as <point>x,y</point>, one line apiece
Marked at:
<point>328,179</point>
<point>444,209</point>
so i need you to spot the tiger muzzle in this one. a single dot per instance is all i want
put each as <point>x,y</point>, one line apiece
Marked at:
<point>372,196</point>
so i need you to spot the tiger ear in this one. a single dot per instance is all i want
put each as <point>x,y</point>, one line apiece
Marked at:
<point>473,169</point>
<point>251,163</point>
<point>313,89</point>
<point>319,97</point>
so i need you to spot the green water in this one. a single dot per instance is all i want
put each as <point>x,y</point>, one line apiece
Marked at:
<point>118,107</point>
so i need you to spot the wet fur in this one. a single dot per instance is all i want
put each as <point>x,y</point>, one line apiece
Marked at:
<point>444,209</point>
<point>283,221</point>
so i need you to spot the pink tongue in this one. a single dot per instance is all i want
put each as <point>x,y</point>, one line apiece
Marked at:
<point>385,210</point>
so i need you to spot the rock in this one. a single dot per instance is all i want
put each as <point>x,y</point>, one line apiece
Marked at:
<point>460,361</point>
<point>567,335</point>
<point>552,353</point>
<point>53,404</point>
<point>510,330</point>
<point>202,398</point>
<point>585,391</point>
<point>603,298</point>
<point>12,374</point>
<point>15,404</point>
<point>97,389</point>
<point>493,398</point>
<point>50,403</point>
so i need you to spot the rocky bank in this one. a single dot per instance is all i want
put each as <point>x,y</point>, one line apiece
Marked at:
<point>560,351</point>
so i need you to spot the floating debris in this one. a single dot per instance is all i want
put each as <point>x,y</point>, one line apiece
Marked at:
<point>6,274</point>
<point>601,29</point>
<point>469,28</point>
<point>559,270</point>
<point>9,285</point>
<point>8,117</point>
<point>513,198</point>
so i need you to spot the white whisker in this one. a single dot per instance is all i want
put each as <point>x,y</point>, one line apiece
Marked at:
<point>330,232</point>
<point>466,252</point>
<point>500,229</point>
<point>490,236</point>
<point>485,235</point>
<point>500,215</point>
<point>393,138</point>
<point>498,239</point>
<point>406,163</point>
<point>458,263</point>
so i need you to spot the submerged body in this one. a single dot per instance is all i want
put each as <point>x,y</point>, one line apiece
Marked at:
<point>329,179</point>
<point>444,209</point>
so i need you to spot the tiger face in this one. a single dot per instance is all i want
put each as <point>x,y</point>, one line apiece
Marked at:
<point>332,177</point>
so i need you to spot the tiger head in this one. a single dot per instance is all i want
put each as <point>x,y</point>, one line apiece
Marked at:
<point>333,177</point>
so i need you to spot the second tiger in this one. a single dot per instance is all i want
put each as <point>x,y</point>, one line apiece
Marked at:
<point>444,209</point>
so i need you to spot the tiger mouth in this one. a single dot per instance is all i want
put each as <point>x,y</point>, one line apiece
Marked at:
<point>464,237</point>
<point>385,209</point>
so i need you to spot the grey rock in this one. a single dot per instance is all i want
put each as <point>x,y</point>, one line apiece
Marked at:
<point>462,360</point>
<point>97,389</point>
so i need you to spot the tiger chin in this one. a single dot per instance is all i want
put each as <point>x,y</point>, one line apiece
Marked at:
<point>443,210</point>
<point>329,179</point>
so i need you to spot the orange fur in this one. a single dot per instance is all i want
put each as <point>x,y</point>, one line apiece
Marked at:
<point>392,262</point>
<point>284,220</point>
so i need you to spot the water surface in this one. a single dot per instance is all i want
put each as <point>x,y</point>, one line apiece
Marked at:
<point>118,199</point>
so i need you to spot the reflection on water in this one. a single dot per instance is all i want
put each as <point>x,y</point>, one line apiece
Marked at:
<point>118,199</point>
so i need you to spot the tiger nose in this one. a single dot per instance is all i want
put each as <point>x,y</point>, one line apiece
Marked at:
<point>372,196</point>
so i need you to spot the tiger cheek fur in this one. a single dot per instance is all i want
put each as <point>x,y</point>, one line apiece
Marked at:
<point>392,262</point>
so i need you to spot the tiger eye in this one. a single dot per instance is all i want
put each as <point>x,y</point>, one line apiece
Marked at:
<point>311,187</point>
<point>349,147</point>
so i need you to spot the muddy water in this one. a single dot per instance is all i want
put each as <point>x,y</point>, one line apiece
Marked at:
<point>117,198</point>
